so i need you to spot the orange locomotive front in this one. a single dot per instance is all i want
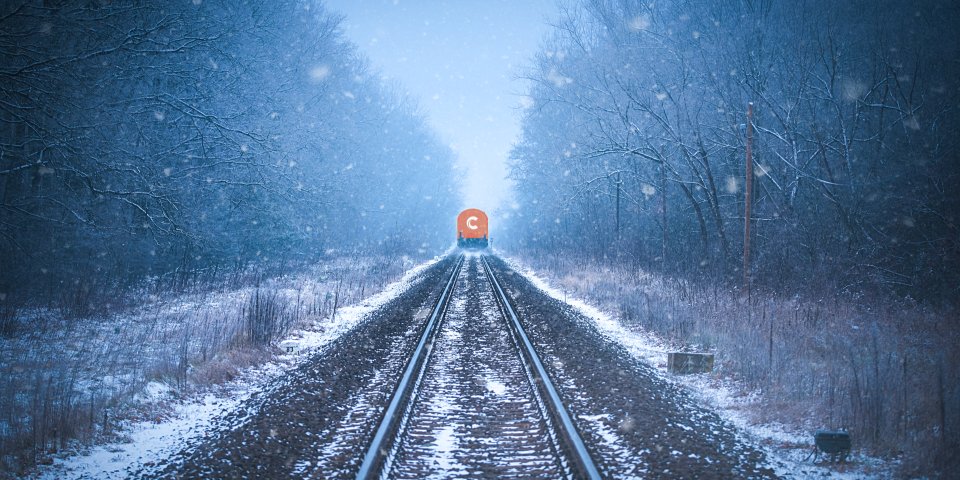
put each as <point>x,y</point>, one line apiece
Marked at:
<point>472,230</point>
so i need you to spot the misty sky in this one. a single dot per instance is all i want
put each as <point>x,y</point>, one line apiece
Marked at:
<point>460,59</point>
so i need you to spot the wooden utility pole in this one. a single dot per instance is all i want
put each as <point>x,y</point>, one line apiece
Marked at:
<point>748,200</point>
<point>663,212</point>
<point>618,205</point>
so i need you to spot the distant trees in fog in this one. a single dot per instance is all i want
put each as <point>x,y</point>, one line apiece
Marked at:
<point>144,138</point>
<point>634,137</point>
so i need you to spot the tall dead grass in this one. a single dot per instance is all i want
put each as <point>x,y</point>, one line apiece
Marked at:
<point>69,374</point>
<point>884,369</point>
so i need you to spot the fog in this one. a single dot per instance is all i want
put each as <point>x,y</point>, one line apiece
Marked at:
<point>462,60</point>
<point>190,170</point>
<point>199,135</point>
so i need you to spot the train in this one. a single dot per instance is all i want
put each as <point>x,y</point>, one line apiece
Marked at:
<point>473,230</point>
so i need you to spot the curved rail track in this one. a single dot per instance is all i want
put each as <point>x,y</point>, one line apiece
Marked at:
<point>474,398</point>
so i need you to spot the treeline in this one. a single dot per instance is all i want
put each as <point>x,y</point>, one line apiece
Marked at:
<point>143,138</point>
<point>634,140</point>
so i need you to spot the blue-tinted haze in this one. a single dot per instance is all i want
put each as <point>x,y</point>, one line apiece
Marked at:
<point>461,59</point>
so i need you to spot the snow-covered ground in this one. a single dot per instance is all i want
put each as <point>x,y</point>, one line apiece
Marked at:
<point>787,447</point>
<point>141,444</point>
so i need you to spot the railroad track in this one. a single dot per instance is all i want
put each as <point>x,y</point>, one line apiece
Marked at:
<point>474,398</point>
<point>474,402</point>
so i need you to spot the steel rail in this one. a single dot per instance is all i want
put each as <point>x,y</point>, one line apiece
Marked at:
<point>571,437</point>
<point>373,460</point>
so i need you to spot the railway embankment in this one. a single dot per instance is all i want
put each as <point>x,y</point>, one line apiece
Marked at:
<point>785,367</point>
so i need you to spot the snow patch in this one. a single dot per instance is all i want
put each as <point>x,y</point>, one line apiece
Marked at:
<point>498,388</point>
<point>446,445</point>
<point>154,391</point>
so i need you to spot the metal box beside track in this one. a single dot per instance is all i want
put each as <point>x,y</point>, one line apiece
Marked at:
<point>681,362</point>
<point>834,443</point>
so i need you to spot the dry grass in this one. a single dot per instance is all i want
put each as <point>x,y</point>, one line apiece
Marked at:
<point>66,377</point>
<point>886,370</point>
